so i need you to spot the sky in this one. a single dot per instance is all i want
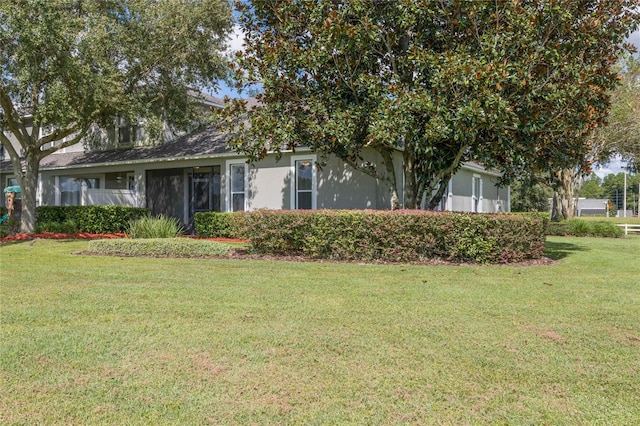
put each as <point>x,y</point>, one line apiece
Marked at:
<point>236,43</point>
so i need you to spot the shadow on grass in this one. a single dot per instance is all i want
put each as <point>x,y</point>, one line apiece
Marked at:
<point>559,250</point>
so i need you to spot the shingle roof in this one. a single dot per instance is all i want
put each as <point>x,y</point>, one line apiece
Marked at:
<point>201,143</point>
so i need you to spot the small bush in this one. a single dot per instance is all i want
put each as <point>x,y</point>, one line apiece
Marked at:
<point>155,227</point>
<point>69,226</point>
<point>583,228</point>
<point>10,226</point>
<point>90,219</point>
<point>217,224</point>
<point>171,247</point>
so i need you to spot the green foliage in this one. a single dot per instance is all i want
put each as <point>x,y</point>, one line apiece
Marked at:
<point>613,189</point>
<point>91,219</point>
<point>530,197</point>
<point>155,227</point>
<point>515,85</point>
<point>398,236</point>
<point>582,228</point>
<point>172,247</point>
<point>591,187</point>
<point>68,226</point>
<point>9,227</point>
<point>622,134</point>
<point>89,62</point>
<point>217,224</point>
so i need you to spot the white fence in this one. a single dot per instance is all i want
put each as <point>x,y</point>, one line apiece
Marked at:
<point>629,228</point>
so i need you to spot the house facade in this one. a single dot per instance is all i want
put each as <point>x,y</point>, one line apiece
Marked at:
<point>197,172</point>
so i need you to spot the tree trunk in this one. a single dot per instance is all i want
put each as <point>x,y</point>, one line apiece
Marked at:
<point>29,187</point>
<point>436,199</point>
<point>411,196</point>
<point>387,159</point>
<point>563,200</point>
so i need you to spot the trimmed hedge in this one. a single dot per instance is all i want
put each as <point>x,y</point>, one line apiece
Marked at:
<point>217,224</point>
<point>395,236</point>
<point>584,228</point>
<point>91,219</point>
<point>171,247</point>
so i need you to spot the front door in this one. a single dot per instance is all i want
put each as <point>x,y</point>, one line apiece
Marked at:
<point>204,190</point>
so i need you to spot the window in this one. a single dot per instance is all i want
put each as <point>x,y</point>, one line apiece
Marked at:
<point>303,183</point>
<point>70,189</point>
<point>237,187</point>
<point>127,132</point>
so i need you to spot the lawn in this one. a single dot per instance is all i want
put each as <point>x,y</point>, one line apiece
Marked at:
<point>109,340</point>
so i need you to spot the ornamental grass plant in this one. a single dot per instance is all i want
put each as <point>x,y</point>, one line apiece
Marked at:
<point>155,227</point>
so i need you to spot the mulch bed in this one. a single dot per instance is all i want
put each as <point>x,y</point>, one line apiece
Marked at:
<point>88,236</point>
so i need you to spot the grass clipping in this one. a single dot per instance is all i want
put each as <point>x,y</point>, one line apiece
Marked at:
<point>160,247</point>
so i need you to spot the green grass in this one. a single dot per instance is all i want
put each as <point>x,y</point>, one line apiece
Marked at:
<point>630,220</point>
<point>110,340</point>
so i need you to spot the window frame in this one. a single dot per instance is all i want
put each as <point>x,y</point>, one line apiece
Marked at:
<point>294,180</point>
<point>228,184</point>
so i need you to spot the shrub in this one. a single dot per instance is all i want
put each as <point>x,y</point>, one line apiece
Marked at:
<point>90,219</point>
<point>398,236</point>
<point>583,228</point>
<point>69,226</point>
<point>174,247</point>
<point>155,227</point>
<point>217,224</point>
<point>10,226</point>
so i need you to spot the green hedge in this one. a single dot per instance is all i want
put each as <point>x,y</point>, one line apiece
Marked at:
<point>583,228</point>
<point>91,219</point>
<point>217,224</point>
<point>174,247</point>
<point>395,236</point>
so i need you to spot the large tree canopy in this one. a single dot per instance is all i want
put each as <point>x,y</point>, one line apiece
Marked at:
<point>515,84</point>
<point>622,134</point>
<point>68,65</point>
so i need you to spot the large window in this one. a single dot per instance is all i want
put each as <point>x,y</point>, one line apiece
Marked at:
<point>70,188</point>
<point>237,187</point>
<point>303,183</point>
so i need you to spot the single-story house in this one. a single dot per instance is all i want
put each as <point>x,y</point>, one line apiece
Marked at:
<point>197,172</point>
<point>592,207</point>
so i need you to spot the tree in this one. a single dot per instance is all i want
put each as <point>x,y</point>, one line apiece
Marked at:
<point>70,65</point>
<point>530,196</point>
<point>591,187</point>
<point>517,85</point>
<point>614,189</point>
<point>621,135</point>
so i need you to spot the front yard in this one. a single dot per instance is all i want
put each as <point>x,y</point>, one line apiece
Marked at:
<point>109,340</point>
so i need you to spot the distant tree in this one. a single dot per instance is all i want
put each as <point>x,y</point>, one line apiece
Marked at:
<point>66,66</point>
<point>621,135</point>
<point>591,187</point>
<point>614,189</point>
<point>530,196</point>
<point>516,85</point>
